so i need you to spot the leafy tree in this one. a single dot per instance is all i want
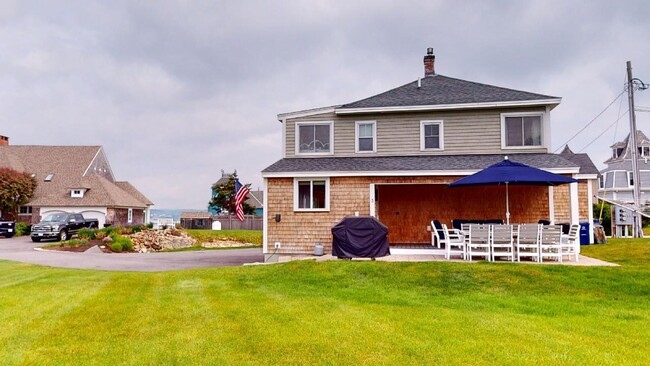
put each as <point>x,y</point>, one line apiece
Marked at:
<point>224,197</point>
<point>16,189</point>
<point>606,219</point>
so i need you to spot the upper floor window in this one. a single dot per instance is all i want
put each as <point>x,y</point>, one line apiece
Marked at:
<point>522,130</point>
<point>314,138</point>
<point>366,135</point>
<point>644,151</point>
<point>630,179</point>
<point>311,194</point>
<point>431,135</point>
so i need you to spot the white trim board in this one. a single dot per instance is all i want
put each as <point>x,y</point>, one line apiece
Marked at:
<point>541,102</point>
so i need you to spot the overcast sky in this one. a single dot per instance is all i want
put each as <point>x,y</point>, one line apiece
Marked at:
<point>175,91</point>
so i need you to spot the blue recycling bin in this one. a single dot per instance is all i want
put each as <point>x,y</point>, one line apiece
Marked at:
<point>584,233</point>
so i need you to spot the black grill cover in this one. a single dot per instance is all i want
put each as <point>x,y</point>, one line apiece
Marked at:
<point>360,237</point>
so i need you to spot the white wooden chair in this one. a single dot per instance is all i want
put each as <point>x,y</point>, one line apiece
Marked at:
<point>528,237</point>
<point>437,235</point>
<point>455,243</point>
<point>501,244</point>
<point>571,243</point>
<point>478,244</point>
<point>550,245</point>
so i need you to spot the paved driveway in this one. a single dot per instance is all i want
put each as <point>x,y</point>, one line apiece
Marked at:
<point>21,249</point>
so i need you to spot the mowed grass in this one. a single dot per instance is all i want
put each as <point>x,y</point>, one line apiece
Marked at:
<point>244,236</point>
<point>357,313</point>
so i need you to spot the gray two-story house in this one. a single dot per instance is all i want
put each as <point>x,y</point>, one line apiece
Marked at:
<point>392,156</point>
<point>616,182</point>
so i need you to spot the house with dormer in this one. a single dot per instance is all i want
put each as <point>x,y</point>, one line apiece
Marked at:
<point>76,179</point>
<point>392,156</point>
<point>616,182</point>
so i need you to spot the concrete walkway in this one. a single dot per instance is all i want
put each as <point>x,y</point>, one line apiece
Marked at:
<point>21,249</point>
<point>583,261</point>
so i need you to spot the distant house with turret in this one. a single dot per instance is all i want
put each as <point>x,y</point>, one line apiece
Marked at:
<point>616,182</point>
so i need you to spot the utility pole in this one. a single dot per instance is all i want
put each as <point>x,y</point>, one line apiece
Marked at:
<point>634,151</point>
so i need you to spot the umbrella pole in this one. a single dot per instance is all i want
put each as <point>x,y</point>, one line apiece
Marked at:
<point>507,206</point>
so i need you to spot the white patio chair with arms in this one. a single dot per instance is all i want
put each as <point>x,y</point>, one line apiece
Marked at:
<point>454,244</point>
<point>550,245</point>
<point>571,243</point>
<point>501,244</point>
<point>528,242</point>
<point>478,244</point>
<point>437,235</point>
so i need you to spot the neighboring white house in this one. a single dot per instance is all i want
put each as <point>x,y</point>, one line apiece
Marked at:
<point>616,182</point>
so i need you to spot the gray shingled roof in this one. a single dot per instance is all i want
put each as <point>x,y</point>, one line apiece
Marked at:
<point>413,163</point>
<point>439,90</point>
<point>68,165</point>
<point>582,160</point>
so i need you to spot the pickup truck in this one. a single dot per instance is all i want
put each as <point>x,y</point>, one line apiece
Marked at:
<point>7,228</point>
<point>61,226</point>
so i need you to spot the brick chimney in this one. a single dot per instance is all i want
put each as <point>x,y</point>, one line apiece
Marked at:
<point>429,61</point>
<point>4,140</point>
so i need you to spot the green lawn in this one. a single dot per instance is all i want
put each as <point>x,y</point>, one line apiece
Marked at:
<point>357,312</point>
<point>244,236</point>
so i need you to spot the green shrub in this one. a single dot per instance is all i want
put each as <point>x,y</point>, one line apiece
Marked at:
<point>108,230</point>
<point>137,229</point>
<point>86,234</point>
<point>75,242</point>
<point>125,230</point>
<point>22,229</point>
<point>150,225</point>
<point>121,244</point>
<point>99,234</point>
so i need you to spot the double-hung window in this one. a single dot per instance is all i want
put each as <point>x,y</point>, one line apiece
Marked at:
<point>522,130</point>
<point>366,136</point>
<point>431,135</point>
<point>314,138</point>
<point>311,194</point>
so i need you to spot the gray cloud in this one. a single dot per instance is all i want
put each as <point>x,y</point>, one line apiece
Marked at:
<point>176,91</point>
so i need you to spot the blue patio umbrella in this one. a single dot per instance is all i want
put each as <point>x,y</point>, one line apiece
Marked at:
<point>510,172</point>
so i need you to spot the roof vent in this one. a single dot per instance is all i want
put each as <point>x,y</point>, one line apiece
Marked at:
<point>49,177</point>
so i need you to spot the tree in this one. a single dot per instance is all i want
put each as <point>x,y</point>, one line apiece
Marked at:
<point>224,197</point>
<point>16,189</point>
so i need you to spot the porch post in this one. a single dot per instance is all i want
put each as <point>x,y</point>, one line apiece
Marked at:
<point>590,210</point>
<point>551,206</point>
<point>372,200</point>
<point>573,203</point>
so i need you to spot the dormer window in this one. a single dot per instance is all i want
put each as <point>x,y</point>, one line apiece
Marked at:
<point>644,151</point>
<point>617,152</point>
<point>77,193</point>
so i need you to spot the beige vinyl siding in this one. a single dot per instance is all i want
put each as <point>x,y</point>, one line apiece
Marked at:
<point>465,132</point>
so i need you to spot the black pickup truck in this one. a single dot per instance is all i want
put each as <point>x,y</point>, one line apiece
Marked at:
<point>61,226</point>
<point>7,228</point>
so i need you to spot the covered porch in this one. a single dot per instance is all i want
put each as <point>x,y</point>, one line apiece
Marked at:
<point>407,209</point>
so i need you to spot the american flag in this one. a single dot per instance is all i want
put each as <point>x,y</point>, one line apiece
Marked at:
<point>241,192</point>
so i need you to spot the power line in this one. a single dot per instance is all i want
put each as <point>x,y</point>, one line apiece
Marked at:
<point>602,133</point>
<point>590,122</point>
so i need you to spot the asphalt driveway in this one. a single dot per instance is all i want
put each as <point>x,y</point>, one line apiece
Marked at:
<point>21,249</point>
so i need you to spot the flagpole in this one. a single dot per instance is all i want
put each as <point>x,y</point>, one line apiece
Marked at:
<point>507,206</point>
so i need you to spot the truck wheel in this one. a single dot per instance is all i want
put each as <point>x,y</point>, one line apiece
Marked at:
<point>63,235</point>
<point>36,240</point>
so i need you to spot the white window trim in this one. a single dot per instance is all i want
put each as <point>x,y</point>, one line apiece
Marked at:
<point>542,122</point>
<point>441,132</point>
<point>74,194</point>
<point>629,178</point>
<point>296,136</point>
<point>295,195</point>
<point>129,217</point>
<point>374,136</point>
